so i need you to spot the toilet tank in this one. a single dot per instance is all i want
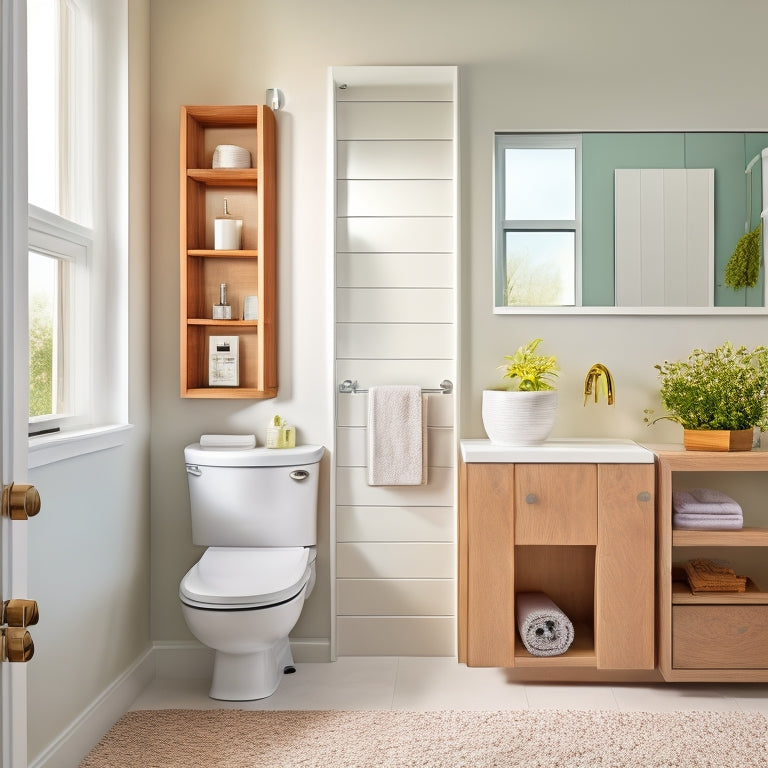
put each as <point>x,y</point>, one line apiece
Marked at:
<point>254,497</point>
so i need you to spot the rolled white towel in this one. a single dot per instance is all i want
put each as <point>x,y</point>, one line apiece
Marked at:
<point>544,629</point>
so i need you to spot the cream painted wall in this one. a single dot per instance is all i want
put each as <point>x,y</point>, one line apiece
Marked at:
<point>554,64</point>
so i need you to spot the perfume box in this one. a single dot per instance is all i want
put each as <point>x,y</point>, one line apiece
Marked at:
<point>224,361</point>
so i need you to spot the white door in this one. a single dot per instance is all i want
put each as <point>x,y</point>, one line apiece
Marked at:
<point>14,368</point>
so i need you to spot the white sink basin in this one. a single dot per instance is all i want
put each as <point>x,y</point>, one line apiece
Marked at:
<point>559,450</point>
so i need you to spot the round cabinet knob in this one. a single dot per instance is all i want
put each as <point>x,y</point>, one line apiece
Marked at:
<point>644,496</point>
<point>531,498</point>
<point>20,501</point>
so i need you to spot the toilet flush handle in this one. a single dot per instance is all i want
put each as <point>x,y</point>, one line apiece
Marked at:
<point>193,469</point>
<point>299,474</point>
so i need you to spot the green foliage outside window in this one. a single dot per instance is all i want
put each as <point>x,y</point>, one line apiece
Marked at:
<point>40,357</point>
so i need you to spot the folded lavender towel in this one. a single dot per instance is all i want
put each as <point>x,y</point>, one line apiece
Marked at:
<point>707,522</point>
<point>710,496</point>
<point>684,501</point>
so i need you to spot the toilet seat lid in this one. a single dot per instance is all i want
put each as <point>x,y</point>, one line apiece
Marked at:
<point>250,576</point>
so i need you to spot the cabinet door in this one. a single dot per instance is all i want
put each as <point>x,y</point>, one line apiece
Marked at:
<point>624,570</point>
<point>490,566</point>
<point>555,504</point>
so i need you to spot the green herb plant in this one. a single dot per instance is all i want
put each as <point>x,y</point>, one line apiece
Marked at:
<point>743,268</point>
<point>527,371</point>
<point>726,388</point>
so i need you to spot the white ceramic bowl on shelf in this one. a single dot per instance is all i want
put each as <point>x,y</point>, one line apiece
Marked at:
<point>231,156</point>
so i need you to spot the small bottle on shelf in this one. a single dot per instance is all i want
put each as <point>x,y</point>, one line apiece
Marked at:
<point>222,310</point>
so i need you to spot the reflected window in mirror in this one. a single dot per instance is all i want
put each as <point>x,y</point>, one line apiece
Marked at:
<point>538,220</point>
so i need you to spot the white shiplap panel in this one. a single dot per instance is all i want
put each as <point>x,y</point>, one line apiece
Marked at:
<point>701,236</point>
<point>395,270</point>
<point>424,91</point>
<point>664,220</point>
<point>395,597</point>
<point>351,447</point>
<point>674,274</point>
<point>394,159</point>
<point>352,489</point>
<point>394,197</point>
<point>392,341</point>
<point>351,410</point>
<point>396,636</point>
<point>394,560</point>
<point>628,251</point>
<point>394,234</point>
<point>394,305</point>
<point>394,120</point>
<point>395,524</point>
<point>652,236</point>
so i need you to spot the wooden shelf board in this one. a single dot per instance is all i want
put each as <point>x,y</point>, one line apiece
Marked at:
<point>225,177</point>
<point>230,393</point>
<point>221,254</point>
<point>744,537</point>
<point>580,654</point>
<point>682,595</point>
<point>223,323</point>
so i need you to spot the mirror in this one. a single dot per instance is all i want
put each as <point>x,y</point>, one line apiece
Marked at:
<point>699,193</point>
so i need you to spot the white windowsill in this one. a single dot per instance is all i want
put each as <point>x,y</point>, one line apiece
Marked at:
<point>46,449</point>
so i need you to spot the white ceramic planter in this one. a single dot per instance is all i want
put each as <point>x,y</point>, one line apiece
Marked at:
<point>519,418</point>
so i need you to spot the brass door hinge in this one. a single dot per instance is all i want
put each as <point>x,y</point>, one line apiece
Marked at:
<point>15,640</point>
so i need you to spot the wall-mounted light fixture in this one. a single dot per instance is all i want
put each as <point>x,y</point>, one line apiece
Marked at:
<point>275,98</point>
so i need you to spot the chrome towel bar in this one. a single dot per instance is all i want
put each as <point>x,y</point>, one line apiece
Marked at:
<point>348,386</point>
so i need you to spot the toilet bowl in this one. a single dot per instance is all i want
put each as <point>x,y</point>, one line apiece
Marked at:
<point>243,603</point>
<point>255,510</point>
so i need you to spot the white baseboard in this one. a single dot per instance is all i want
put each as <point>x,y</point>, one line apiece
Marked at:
<point>74,743</point>
<point>175,660</point>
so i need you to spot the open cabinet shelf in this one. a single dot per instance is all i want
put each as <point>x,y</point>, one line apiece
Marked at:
<point>249,271</point>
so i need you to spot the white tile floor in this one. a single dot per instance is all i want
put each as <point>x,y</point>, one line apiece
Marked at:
<point>442,683</point>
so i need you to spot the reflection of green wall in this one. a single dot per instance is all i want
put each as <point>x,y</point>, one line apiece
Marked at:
<point>727,153</point>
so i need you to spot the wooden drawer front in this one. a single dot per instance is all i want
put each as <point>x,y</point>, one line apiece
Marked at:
<point>555,504</point>
<point>719,636</point>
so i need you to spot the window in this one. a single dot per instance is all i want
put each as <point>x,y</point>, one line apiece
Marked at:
<point>77,112</point>
<point>537,213</point>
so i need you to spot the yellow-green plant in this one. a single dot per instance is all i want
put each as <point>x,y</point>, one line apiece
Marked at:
<point>527,371</point>
<point>726,388</point>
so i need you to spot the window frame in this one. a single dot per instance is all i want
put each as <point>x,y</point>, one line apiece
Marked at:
<point>502,142</point>
<point>57,237</point>
<point>103,422</point>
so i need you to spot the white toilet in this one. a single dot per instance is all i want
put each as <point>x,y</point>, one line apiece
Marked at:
<point>256,511</point>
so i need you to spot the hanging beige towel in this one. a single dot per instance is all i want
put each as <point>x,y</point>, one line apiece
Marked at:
<point>397,435</point>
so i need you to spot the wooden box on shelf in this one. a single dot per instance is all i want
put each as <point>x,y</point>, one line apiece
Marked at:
<point>249,271</point>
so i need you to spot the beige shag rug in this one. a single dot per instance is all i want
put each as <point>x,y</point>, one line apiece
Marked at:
<point>395,739</point>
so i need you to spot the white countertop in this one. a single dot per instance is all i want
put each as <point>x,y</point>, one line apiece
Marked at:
<point>559,450</point>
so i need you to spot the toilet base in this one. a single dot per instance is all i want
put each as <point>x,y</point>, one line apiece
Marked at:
<point>249,676</point>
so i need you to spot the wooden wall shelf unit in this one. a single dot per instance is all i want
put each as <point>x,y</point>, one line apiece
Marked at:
<point>252,196</point>
<point>581,533</point>
<point>718,636</point>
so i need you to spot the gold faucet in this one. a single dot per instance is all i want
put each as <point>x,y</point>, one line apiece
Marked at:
<point>596,372</point>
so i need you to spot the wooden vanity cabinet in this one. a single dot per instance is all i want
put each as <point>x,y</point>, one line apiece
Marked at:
<point>581,533</point>
<point>719,636</point>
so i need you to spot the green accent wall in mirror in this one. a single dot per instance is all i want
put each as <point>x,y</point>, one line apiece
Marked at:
<point>728,153</point>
